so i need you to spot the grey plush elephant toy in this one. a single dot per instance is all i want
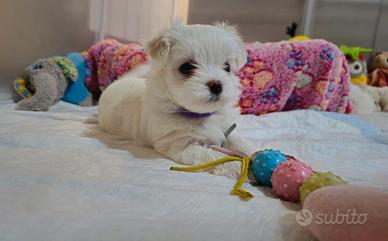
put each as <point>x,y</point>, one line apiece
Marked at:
<point>57,78</point>
<point>44,83</point>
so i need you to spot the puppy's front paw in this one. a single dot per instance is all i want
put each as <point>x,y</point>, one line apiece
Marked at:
<point>229,169</point>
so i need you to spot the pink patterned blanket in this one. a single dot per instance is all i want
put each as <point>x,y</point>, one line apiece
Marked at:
<point>277,76</point>
<point>294,75</point>
<point>108,60</point>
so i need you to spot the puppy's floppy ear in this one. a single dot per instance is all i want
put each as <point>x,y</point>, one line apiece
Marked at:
<point>232,29</point>
<point>159,46</point>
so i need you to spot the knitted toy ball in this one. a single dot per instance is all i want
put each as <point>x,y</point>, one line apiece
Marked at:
<point>318,180</point>
<point>288,177</point>
<point>264,163</point>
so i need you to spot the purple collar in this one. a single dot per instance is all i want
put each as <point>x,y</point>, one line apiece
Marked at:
<point>186,113</point>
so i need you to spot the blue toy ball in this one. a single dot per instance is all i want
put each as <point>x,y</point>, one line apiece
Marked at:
<point>263,164</point>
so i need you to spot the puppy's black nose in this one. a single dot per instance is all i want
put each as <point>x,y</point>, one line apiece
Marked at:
<point>215,87</point>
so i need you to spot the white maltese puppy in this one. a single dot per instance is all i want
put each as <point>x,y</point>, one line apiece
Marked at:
<point>188,100</point>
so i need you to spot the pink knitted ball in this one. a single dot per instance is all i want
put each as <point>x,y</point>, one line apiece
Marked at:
<point>288,177</point>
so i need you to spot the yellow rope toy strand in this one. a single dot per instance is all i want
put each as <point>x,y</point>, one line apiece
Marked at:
<point>237,189</point>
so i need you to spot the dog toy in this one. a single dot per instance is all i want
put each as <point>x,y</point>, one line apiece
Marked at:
<point>379,70</point>
<point>288,177</point>
<point>357,63</point>
<point>284,173</point>
<point>318,180</point>
<point>48,80</point>
<point>237,189</point>
<point>264,163</point>
<point>76,92</point>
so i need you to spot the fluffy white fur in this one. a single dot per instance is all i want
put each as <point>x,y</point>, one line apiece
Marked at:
<point>368,99</point>
<point>144,110</point>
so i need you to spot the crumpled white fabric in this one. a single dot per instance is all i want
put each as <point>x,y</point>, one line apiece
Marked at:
<point>63,179</point>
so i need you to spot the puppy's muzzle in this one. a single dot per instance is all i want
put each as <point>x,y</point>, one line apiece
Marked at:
<point>215,87</point>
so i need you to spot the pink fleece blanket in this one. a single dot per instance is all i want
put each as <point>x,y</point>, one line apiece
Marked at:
<point>277,76</point>
<point>108,60</point>
<point>294,75</point>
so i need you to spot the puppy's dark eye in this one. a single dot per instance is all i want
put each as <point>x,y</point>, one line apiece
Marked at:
<point>187,68</point>
<point>227,67</point>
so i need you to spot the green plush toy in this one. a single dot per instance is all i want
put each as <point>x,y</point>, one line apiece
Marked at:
<point>357,63</point>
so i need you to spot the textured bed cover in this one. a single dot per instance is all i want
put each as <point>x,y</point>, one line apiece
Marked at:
<point>63,179</point>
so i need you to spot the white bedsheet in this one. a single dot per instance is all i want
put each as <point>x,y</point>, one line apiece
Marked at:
<point>63,179</point>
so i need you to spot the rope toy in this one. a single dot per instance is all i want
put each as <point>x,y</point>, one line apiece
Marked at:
<point>290,179</point>
<point>237,189</point>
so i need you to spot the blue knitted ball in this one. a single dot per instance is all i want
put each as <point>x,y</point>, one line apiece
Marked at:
<point>263,164</point>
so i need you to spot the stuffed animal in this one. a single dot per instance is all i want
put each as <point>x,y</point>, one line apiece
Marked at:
<point>48,80</point>
<point>366,98</point>
<point>71,78</point>
<point>357,63</point>
<point>379,70</point>
<point>76,92</point>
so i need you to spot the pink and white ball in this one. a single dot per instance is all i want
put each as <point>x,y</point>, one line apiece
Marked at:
<point>288,177</point>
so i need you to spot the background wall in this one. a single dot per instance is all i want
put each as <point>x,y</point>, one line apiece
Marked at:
<point>32,29</point>
<point>135,20</point>
<point>381,42</point>
<point>351,22</point>
<point>257,20</point>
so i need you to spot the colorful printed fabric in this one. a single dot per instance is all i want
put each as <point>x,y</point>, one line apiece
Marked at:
<point>294,75</point>
<point>108,60</point>
<point>278,76</point>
